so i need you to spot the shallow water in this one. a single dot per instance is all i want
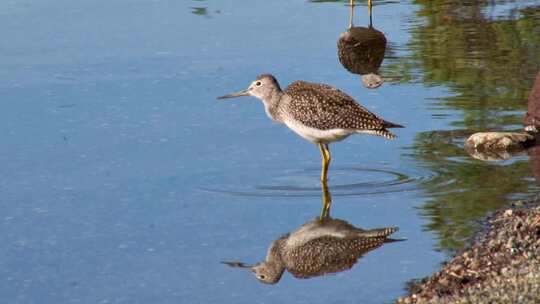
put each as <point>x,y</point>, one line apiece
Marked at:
<point>126,181</point>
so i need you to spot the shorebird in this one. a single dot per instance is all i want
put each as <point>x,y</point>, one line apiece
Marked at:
<point>317,112</point>
<point>319,247</point>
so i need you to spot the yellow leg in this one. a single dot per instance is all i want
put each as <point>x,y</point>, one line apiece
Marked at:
<point>325,153</point>
<point>351,14</point>
<point>327,202</point>
<point>370,5</point>
<point>351,2</point>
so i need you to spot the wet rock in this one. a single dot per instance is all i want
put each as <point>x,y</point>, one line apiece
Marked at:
<point>497,140</point>
<point>490,146</point>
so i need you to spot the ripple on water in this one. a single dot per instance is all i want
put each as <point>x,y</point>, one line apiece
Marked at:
<point>351,181</point>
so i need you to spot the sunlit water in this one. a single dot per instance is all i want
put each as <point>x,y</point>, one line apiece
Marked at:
<point>125,180</point>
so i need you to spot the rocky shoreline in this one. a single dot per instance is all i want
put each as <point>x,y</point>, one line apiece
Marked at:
<point>501,266</point>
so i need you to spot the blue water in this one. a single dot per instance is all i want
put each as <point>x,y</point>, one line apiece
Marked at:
<point>124,180</point>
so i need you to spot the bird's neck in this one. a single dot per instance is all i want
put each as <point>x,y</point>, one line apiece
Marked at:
<point>273,257</point>
<point>271,103</point>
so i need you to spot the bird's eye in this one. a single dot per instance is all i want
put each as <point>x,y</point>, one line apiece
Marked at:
<point>262,277</point>
<point>258,83</point>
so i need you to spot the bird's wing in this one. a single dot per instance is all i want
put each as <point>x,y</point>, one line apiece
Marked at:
<point>324,107</point>
<point>328,255</point>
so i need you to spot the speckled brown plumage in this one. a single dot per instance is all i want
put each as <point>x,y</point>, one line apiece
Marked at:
<point>318,247</point>
<point>323,107</point>
<point>329,254</point>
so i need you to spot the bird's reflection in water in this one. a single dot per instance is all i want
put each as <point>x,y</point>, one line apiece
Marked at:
<point>361,51</point>
<point>321,246</point>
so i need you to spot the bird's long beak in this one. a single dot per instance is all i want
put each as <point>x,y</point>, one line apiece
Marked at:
<point>237,94</point>
<point>236,264</point>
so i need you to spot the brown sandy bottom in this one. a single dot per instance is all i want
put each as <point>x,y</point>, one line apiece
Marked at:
<point>502,266</point>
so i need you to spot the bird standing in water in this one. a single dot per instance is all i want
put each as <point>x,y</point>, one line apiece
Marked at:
<point>316,112</point>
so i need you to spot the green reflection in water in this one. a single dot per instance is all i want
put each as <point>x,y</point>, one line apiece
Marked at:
<point>488,63</point>
<point>464,190</point>
<point>201,11</point>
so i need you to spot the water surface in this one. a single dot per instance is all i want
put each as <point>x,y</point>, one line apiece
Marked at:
<point>125,180</point>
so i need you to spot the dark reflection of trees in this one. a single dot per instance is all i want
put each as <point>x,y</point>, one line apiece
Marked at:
<point>488,63</point>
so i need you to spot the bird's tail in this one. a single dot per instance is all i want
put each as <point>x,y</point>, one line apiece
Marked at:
<point>388,240</point>
<point>379,236</point>
<point>381,132</point>
<point>379,232</point>
<point>387,124</point>
<point>386,134</point>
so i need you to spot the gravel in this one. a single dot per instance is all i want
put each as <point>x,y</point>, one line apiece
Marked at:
<point>501,266</point>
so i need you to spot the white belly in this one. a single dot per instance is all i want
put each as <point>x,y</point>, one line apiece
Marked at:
<point>313,230</point>
<point>318,136</point>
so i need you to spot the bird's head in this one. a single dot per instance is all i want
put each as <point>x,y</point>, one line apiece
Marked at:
<point>372,81</point>
<point>265,272</point>
<point>263,87</point>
